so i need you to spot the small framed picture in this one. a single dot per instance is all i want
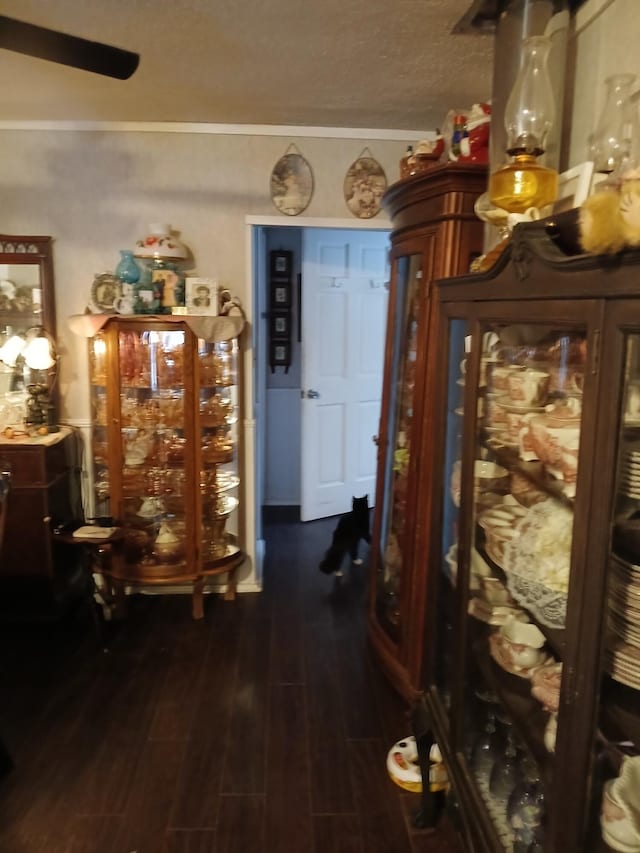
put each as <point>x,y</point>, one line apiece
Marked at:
<point>574,186</point>
<point>280,354</point>
<point>280,295</point>
<point>280,325</point>
<point>201,295</point>
<point>280,264</point>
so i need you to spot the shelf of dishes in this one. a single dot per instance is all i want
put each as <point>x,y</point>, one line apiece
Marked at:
<point>144,448</point>
<point>164,409</point>
<point>143,365</point>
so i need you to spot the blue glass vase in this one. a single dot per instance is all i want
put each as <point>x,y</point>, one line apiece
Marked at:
<point>127,269</point>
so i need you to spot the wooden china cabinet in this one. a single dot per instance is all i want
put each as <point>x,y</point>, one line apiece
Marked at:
<point>165,410</point>
<point>435,234</point>
<point>39,577</point>
<point>531,676</point>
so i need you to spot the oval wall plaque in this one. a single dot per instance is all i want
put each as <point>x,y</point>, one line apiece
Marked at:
<point>291,184</point>
<point>364,186</point>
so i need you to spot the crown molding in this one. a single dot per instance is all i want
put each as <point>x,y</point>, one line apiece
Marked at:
<point>287,131</point>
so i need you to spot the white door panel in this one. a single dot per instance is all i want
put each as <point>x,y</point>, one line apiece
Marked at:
<point>344,301</point>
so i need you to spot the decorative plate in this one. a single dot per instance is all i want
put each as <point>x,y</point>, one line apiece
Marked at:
<point>364,186</point>
<point>104,292</point>
<point>291,183</point>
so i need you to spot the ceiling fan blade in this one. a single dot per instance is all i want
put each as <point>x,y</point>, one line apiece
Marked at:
<point>66,49</point>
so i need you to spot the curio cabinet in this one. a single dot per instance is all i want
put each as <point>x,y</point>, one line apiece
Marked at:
<point>435,233</point>
<point>531,666</point>
<point>165,408</point>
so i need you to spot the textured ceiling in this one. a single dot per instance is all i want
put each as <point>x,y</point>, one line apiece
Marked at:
<point>361,64</point>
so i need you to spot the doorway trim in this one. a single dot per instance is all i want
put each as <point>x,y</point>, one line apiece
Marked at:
<point>253,424</point>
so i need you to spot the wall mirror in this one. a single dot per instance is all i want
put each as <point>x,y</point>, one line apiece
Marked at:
<point>27,305</point>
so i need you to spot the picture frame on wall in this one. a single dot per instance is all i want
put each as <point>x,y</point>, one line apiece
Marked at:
<point>280,295</point>
<point>280,354</point>
<point>280,264</point>
<point>280,325</point>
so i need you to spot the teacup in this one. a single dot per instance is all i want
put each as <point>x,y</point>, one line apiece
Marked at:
<point>500,376</point>
<point>523,642</point>
<point>528,387</point>
<point>618,821</point>
<point>124,305</point>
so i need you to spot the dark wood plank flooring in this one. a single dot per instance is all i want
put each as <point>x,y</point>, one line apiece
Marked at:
<point>262,728</point>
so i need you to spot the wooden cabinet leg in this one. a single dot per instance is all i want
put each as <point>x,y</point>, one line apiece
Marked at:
<point>198,599</point>
<point>230,594</point>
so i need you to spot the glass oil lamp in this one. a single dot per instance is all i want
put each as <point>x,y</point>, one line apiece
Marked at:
<point>523,183</point>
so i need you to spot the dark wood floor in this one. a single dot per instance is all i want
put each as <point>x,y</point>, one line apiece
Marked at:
<point>262,729</point>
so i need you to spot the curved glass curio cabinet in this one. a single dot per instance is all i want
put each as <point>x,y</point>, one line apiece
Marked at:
<point>435,233</point>
<point>165,407</point>
<point>532,648</point>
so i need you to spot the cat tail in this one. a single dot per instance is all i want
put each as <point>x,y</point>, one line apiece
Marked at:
<point>331,561</point>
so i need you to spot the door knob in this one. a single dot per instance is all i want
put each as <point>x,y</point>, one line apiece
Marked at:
<point>313,395</point>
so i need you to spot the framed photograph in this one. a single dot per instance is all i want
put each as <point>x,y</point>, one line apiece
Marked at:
<point>201,295</point>
<point>280,263</point>
<point>574,186</point>
<point>280,295</point>
<point>280,354</point>
<point>280,325</point>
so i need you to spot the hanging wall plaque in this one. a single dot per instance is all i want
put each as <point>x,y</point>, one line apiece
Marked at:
<point>291,183</point>
<point>364,186</point>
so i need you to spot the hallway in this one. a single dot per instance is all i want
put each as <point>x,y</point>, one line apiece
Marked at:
<point>264,728</point>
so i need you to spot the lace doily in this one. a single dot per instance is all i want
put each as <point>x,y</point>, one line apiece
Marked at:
<point>537,562</point>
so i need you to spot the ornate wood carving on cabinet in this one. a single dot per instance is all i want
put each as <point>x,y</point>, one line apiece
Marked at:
<point>435,234</point>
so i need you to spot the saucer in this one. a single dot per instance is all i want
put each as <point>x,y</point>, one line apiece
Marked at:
<point>509,406</point>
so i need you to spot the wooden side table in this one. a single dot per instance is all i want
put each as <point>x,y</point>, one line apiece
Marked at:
<point>100,556</point>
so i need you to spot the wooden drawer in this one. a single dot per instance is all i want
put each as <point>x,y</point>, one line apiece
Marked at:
<point>34,466</point>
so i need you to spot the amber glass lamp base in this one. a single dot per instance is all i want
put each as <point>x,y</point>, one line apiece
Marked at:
<point>523,183</point>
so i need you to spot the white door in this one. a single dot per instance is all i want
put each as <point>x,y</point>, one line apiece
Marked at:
<point>344,309</point>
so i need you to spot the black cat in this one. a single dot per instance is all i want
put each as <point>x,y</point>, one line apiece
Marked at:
<point>352,527</point>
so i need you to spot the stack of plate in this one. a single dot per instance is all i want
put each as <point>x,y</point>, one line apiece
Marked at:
<point>623,648</point>
<point>630,471</point>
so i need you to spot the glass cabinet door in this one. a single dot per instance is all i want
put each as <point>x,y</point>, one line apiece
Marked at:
<point>218,430</point>
<point>448,564</point>
<point>523,470</point>
<point>101,505</point>
<point>139,445</point>
<point>152,444</point>
<point>614,815</point>
<point>399,428</point>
